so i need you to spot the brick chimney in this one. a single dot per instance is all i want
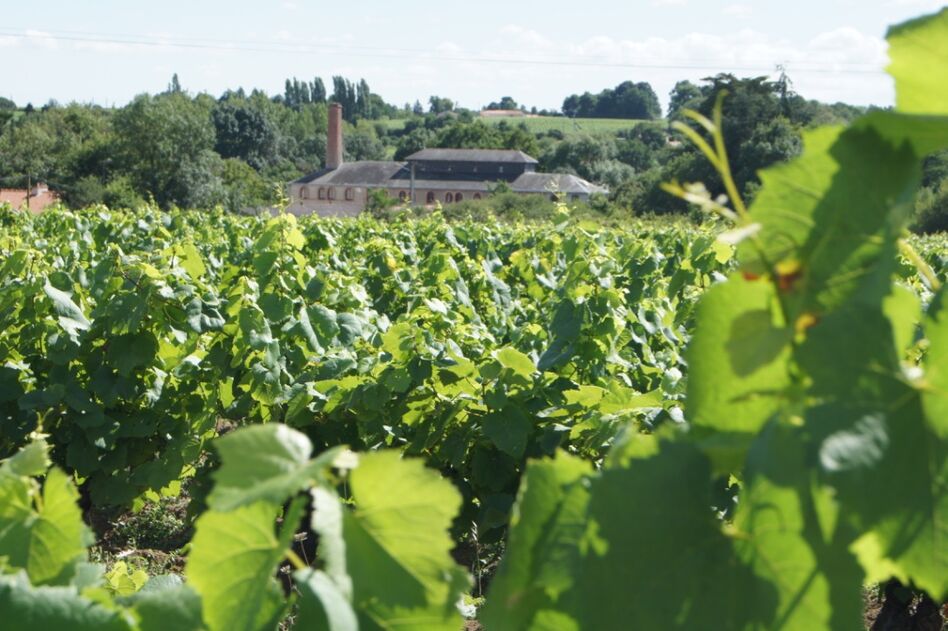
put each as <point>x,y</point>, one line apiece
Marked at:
<point>334,137</point>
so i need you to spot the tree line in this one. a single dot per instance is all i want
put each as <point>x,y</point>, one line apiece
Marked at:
<point>240,149</point>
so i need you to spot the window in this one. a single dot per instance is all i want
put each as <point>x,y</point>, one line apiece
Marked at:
<point>350,195</point>
<point>430,198</point>
<point>449,197</point>
<point>304,192</point>
<point>459,197</point>
<point>477,195</point>
<point>402,196</point>
<point>322,193</point>
<point>331,193</point>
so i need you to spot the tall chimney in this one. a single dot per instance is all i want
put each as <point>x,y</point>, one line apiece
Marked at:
<point>334,137</point>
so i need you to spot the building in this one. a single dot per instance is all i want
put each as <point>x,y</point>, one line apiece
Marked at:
<point>35,200</point>
<point>427,177</point>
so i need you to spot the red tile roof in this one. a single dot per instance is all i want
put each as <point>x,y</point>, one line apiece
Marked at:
<point>16,197</point>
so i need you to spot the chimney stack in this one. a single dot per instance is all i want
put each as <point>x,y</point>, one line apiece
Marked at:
<point>334,137</point>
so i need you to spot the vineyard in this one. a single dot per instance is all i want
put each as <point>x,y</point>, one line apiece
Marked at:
<point>735,426</point>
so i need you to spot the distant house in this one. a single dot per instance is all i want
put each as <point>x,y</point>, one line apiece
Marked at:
<point>35,200</point>
<point>503,114</point>
<point>427,177</point>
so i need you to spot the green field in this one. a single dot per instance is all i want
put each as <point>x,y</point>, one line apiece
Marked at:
<point>543,124</point>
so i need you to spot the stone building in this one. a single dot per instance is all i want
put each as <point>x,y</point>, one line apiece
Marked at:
<point>424,178</point>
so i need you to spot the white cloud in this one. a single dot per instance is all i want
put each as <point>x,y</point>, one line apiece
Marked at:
<point>739,10</point>
<point>42,39</point>
<point>839,65</point>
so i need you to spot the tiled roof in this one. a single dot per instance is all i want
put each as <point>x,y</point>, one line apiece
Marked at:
<point>17,199</point>
<point>372,174</point>
<point>368,173</point>
<point>554,183</point>
<point>472,155</point>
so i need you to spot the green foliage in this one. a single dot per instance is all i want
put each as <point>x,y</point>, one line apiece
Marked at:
<point>626,100</point>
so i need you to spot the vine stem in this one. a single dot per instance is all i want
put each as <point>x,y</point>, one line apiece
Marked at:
<point>295,560</point>
<point>924,269</point>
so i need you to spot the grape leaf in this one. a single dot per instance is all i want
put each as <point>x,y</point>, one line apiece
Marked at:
<point>264,462</point>
<point>918,48</point>
<point>46,538</point>
<point>398,548</point>
<point>231,565</point>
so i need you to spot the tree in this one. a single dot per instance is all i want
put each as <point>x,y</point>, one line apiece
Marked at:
<point>439,105</point>
<point>506,103</point>
<point>317,91</point>
<point>246,131</point>
<point>175,86</point>
<point>626,100</point>
<point>685,94</point>
<point>27,151</point>
<point>414,141</point>
<point>344,93</point>
<point>362,143</point>
<point>163,146</point>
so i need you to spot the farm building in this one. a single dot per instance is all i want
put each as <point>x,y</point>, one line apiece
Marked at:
<point>35,199</point>
<point>427,177</point>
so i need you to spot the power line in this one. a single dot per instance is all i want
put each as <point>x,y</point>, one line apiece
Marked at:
<point>414,53</point>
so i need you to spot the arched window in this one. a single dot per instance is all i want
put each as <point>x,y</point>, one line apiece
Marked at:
<point>322,193</point>
<point>331,192</point>
<point>449,197</point>
<point>350,195</point>
<point>402,196</point>
<point>430,198</point>
<point>304,192</point>
<point>477,195</point>
<point>459,197</point>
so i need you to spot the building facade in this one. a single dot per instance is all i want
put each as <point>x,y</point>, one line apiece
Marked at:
<point>425,178</point>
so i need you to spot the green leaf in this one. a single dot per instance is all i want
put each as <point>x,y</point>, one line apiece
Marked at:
<point>830,219</point>
<point>398,548</point>
<point>655,557</point>
<point>53,609</point>
<point>546,527</point>
<point>935,391</point>
<point>564,333</point>
<point>48,538</point>
<point>163,606</point>
<point>890,475</point>
<point>264,462</point>
<point>128,352</point>
<point>919,48</point>
<point>737,358</point>
<point>508,430</point>
<point>70,315</point>
<point>788,533</point>
<point>322,604</point>
<point>31,460</point>
<point>191,261</point>
<point>519,364</point>
<point>231,565</point>
<point>903,309</point>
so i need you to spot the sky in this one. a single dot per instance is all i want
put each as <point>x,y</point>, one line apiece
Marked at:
<point>107,51</point>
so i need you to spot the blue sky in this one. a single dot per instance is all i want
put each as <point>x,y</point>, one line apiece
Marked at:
<point>474,52</point>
